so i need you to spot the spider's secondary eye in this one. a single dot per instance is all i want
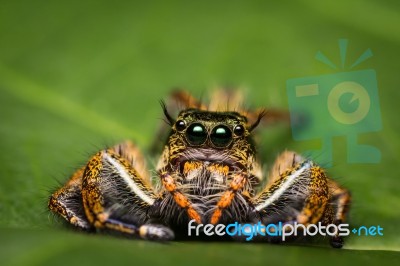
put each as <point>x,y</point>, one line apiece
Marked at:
<point>221,136</point>
<point>238,130</point>
<point>196,134</point>
<point>180,125</point>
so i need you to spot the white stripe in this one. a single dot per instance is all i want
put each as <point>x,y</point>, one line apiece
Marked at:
<point>283,188</point>
<point>125,176</point>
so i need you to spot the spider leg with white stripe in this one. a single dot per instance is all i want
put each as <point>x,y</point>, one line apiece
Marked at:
<point>300,191</point>
<point>114,195</point>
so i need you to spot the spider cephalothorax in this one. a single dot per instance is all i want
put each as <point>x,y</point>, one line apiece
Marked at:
<point>207,173</point>
<point>205,152</point>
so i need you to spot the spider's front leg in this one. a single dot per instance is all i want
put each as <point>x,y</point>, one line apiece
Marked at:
<point>302,193</point>
<point>116,194</point>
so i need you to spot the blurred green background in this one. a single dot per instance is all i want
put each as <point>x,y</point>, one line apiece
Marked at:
<point>76,76</point>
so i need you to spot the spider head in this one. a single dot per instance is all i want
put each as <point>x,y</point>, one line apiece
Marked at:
<point>223,137</point>
<point>210,130</point>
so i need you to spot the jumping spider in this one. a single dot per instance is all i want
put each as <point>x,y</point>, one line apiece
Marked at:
<point>207,172</point>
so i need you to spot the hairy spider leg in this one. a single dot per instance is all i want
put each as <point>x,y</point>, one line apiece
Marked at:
<point>132,153</point>
<point>340,197</point>
<point>237,183</point>
<point>291,172</point>
<point>340,202</point>
<point>180,199</point>
<point>284,161</point>
<point>67,201</point>
<point>305,180</point>
<point>183,99</point>
<point>268,116</point>
<point>106,177</point>
<point>224,99</point>
<point>325,200</point>
<point>116,197</point>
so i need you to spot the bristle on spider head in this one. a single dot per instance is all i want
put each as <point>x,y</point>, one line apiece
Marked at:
<point>257,122</point>
<point>170,120</point>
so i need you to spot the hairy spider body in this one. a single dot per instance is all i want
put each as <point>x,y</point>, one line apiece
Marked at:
<point>207,172</point>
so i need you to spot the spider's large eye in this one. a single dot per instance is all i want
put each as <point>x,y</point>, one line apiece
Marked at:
<point>221,136</point>
<point>180,125</point>
<point>196,134</point>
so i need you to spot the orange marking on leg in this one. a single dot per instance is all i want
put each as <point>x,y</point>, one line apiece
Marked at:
<point>187,99</point>
<point>228,196</point>
<point>119,227</point>
<point>91,196</point>
<point>237,182</point>
<point>180,199</point>
<point>76,178</point>
<point>226,199</point>
<point>216,216</point>
<point>169,183</point>
<point>194,215</point>
<point>317,201</point>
